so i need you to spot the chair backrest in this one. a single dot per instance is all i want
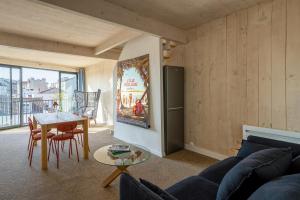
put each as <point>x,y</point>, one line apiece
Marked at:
<point>87,101</point>
<point>30,124</point>
<point>66,126</point>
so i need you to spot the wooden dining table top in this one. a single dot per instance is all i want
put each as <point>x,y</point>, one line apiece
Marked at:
<point>56,118</point>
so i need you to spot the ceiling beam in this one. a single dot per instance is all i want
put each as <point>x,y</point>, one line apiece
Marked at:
<point>116,40</point>
<point>13,40</point>
<point>39,65</point>
<point>109,12</point>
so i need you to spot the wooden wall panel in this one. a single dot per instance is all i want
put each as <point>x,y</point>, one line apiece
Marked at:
<point>252,66</point>
<point>236,73</point>
<point>278,64</point>
<point>293,65</point>
<point>246,71</point>
<point>217,84</point>
<point>264,63</point>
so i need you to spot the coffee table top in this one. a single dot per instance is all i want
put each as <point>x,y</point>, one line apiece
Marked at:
<point>135,156</point>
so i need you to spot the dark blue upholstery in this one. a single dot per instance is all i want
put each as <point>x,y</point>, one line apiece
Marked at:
<point>206,185</point>
<point>275,143</point>
<point>194,188</point>
<point>295,166</point>
<point>248,148</point>
<point>162,193</point>
<point>131,189</point>
<point>282,188</point>
<point>256,169</point>
<point>216,172</point>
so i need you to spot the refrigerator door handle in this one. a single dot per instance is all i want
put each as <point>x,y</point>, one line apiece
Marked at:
<point>175,108</point>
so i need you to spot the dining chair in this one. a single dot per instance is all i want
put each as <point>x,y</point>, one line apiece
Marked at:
<point>34,137</point>
<point>33,131</point>
<point>79,133</point>
<point>66,129</point>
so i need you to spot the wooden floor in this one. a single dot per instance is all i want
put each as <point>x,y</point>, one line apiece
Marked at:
<point>81,180</point>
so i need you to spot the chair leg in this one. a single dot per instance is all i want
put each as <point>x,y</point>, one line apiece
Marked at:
<point>78,138</point>
<point>30,146</point>
<point>29,141</point>
<point>31,153</point>
<point>62,146</point>
<point>50,145</point>
<point>81,139</point>
<point>53,151</point>
<point>76,149</point>
<point>70,149</point>
<point>57,155</point>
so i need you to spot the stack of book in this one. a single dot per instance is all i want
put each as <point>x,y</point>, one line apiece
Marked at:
<point>118,149</point>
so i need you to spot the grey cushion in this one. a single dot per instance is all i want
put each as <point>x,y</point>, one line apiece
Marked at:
<point>131,189</point>
<point>163,194</point>
<point>194,188</point>
<point>282,188</point>
<point>217,171</point>
<point>295,166</point>
<point>249,147</point>
<point>245,177</point>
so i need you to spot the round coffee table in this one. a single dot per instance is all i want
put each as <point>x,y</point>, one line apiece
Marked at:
<point>136,156</point>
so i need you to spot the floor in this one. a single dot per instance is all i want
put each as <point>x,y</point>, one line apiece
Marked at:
<point>76,181</point>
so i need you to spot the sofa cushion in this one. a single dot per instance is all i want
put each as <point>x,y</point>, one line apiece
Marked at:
<point>163,194</point>
<point>282,188</point>
<point>249,147</point>
<point>217,171</point>
<point>256,169</point>
<point>295,166</point>
<point>134,190</point>
<point>275,144</point>
<point>194,188</point>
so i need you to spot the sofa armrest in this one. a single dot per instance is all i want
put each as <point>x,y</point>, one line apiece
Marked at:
<point>131,189</point>
<point>216,172</point>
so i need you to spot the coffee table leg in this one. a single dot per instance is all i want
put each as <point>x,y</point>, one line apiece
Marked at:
<point>114,175</point>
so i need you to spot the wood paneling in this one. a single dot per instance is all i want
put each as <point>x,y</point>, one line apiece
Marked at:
<point>264,65</point>
<point>293,65</point>
<point>246,71</point>
<point>236,70</point>
<point>252,66</point>
<point>278,64</point>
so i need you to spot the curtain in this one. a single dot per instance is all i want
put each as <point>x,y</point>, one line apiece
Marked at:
<point>81,80</point>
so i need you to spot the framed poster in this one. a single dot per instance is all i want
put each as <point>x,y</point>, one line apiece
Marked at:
<point>133,91</point>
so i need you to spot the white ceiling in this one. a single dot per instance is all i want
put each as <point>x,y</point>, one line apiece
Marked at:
<point>33,19</point>
<point>184,14</point>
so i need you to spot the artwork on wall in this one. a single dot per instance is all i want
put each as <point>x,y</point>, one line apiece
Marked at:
<point>133,91</point>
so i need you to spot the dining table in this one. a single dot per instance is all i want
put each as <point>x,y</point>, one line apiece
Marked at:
<point>51,120</point>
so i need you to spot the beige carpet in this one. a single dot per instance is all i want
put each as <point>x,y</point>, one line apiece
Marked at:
<point>81,180</point>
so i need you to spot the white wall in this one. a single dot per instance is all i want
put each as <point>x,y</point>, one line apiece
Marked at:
<point>149,138</point>
<point>100,76</point>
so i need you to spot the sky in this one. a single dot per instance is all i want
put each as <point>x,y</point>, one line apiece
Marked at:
<point>51,76</point>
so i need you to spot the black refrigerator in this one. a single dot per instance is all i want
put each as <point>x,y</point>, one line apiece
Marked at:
<point>173,108</point>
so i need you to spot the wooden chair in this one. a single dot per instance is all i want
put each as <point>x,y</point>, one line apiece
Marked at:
<point>66,130</point>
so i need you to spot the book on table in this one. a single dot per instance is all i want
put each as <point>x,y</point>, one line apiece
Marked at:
<point>119,148</point>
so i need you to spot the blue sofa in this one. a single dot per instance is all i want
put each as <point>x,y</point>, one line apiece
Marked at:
<point>205,185</point>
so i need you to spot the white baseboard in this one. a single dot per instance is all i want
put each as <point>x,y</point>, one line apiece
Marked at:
<point>205,152</point>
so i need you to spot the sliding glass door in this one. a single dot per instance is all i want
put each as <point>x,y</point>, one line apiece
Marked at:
<point>10,96</point>
<point>40,91</point>
<point>68,83</point>
<point>27,91</point>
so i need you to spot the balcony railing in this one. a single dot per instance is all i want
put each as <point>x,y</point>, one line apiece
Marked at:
<point>12,113</point>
